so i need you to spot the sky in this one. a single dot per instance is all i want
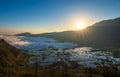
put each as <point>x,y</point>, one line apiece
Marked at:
<point>40,16</point>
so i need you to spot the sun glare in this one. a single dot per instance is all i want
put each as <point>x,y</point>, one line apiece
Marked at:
<point>80,26</point>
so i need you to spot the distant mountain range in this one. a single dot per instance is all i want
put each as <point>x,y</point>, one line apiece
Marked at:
<point>11,56</point>
<point>103,34</point>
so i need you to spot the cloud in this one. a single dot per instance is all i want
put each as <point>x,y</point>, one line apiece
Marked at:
<point>34,43</point>
<point>14,40</point>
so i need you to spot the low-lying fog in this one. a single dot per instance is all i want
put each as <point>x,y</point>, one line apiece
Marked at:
<point>35,43</point>
<point>49,51</point>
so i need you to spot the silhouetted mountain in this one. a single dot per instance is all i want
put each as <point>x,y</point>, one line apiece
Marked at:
<point>104,34</point>
<point>24,34</point>
<point>11,56</point>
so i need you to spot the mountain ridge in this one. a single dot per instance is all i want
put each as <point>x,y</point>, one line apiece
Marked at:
<point>103,34</point>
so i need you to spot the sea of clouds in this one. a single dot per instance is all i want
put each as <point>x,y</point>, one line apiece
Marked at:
<point>86,56</point>
<point>35,43</point>
<point>82,55</point>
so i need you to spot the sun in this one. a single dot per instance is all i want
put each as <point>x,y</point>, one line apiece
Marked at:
<point>80,26</point>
